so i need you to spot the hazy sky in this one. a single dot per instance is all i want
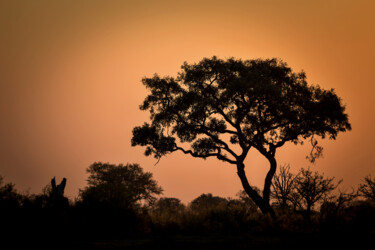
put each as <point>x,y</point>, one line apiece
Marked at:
<point>70,82</point>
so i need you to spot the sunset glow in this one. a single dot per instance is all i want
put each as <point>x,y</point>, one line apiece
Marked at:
<point>70,83</point>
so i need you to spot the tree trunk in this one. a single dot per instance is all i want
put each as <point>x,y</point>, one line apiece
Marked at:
<point>269,177</point>
<point>308,212</point>
<point>262,203</point>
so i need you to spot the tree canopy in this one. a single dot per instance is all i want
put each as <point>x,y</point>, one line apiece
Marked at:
<point>121,186</point>
<point>223,108</point>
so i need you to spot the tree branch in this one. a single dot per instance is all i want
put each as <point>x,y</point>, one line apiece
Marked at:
<point>226,147</point>
<point>224,131</point>
<point>218,154</point>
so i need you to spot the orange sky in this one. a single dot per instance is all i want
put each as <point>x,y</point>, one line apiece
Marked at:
<point>70,82</point>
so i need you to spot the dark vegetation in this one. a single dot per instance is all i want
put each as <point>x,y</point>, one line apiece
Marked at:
<point>119,209</point>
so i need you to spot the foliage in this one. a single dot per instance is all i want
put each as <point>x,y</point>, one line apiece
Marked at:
<point>171,205</point>
<point>367,189</point>
<point>114,197</point>
<point>38,218</point>
<point>167,213</point>
<point>206,213</point>
<point>9,197</point>
<point>223,108</point>
<point>259,103</point>
<point>119,186</point>
<point>207,202</point>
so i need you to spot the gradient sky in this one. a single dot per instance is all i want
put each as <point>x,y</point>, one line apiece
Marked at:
<point>70,83</point>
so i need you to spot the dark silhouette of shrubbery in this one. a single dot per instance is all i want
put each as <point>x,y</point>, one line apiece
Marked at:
<point>367,188</point>
<point>120,203</point>
<point>113,198</point>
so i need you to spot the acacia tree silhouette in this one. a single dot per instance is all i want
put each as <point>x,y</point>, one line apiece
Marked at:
<point>223,108</point>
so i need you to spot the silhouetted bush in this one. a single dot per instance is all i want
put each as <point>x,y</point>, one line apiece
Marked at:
<point>367,188</point>
<point>118,186</point>
<point>112,202</point>
<point>10,207</point>
<point>47,217</point>
<point>10,199</point>
<point>167,213</point>
<point>207,214</point>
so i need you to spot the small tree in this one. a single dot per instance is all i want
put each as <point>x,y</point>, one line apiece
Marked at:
<point>283,186</point>
<point>225,108</point>
<point>206,202</point>
<point>168,213</point>
<point>10,199</point>
<point>119,186</point>
<point>367,189</point>
<point>168,205</point>
<point>311,188</point>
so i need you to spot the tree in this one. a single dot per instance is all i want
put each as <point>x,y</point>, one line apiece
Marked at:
<point>224,108</point>
<point>169,205</point>
<point>367,189</point>
<point>206,202</point>
<point>311,188</point>
<point>11,204</point>
<point>119,186</point>
<point>10,199</point>
<point>283,186</point>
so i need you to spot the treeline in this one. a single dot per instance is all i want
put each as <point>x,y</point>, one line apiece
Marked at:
<point>120,201</point>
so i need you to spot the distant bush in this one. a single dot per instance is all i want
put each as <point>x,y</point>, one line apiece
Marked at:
<point>118,186</point>
<point>104,210</point>
<point>10,199</point>
<point>205,214</point>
